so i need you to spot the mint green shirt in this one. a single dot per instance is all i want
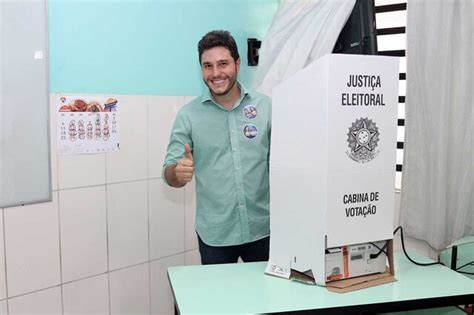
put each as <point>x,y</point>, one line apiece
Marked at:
<point>230,151</point>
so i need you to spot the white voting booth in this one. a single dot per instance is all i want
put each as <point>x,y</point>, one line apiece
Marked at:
<point>333,156</point>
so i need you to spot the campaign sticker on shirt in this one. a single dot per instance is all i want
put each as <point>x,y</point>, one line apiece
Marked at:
<point>250,131</point>
<point>250,111</point>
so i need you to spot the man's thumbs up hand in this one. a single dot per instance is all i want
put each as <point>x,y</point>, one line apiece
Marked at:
<point>187,152</point>
<point>185,167</point>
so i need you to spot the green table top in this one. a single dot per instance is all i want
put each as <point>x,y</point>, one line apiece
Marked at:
<point>244,288</point>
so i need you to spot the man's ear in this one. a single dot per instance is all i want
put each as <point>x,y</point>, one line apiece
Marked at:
<point>237,65</point>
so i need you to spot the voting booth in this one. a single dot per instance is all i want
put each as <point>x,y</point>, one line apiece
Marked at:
<point>332,169</point>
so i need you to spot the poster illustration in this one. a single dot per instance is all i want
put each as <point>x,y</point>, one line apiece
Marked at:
<point>87,125</point>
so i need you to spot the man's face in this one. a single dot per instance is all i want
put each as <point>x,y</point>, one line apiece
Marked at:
<point>219,70</point>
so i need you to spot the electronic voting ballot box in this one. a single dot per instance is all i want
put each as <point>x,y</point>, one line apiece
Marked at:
<point>332,168</point>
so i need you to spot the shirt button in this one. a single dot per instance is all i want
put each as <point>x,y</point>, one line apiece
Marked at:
<point>237,168</point>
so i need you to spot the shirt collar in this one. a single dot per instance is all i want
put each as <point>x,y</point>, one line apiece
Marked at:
<point>207,96</point>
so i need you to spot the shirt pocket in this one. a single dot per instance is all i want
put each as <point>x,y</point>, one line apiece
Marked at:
<point>210,138</point>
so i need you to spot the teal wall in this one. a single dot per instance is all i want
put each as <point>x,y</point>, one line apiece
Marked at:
<point>144,47</point>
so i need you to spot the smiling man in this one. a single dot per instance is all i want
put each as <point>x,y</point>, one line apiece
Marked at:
<point>223,139</point>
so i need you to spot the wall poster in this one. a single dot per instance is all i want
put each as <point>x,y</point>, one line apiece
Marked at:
<point>87,125</point>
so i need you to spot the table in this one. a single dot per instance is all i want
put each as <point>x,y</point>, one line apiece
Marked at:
<point>245,289</point>
<point>464,254</point>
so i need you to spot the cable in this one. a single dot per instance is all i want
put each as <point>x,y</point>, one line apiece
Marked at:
<point>381,250</point>
<point>466,273</point>
<point>459,307</point>
<point>406,254</point>
<point>427,264</point>
<point>465,265</point>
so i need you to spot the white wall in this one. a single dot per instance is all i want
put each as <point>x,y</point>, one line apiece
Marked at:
<point>103,244</point>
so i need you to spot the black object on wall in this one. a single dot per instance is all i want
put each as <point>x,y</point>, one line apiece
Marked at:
<point>253,45</point>
<point>359,35</point>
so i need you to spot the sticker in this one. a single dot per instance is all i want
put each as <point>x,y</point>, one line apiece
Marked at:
<point>250,111</point>
<point>275,270</point>
<point>250,131</point>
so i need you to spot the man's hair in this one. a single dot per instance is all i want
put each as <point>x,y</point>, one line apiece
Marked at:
<point>218,39</point>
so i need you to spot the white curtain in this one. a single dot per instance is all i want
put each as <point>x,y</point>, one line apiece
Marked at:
<point>437,201</point>
<point>301,32</point>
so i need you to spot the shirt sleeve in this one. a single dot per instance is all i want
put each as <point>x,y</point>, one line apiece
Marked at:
<point>180,135</point>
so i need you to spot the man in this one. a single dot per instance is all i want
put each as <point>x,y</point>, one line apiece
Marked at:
<point>211,138</point>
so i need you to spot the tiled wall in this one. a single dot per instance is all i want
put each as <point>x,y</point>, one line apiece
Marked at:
<point>103,244</point>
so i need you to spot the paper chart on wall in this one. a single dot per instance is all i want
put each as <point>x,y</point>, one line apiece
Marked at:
<point>87,125</point>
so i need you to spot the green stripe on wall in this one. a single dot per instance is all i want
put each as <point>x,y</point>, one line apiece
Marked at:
<point>144,47</point>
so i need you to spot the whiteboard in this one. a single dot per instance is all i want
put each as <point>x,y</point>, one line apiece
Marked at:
<point>24,103</point>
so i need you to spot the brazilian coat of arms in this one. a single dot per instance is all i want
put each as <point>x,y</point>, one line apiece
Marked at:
<point>363,137</point>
